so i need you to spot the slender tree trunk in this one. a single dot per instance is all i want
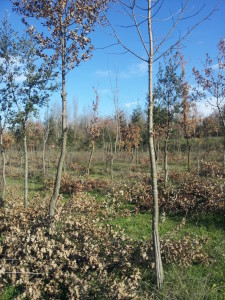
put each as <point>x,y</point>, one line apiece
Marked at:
<point>21,163</point>
<point>90,158</point>
<point>2,196</point>
<point>3,176</point>
<point>189,155</point>
<point>158,153</point>
<point>112,156</point>
<point>49,158</point>
<point>137,156</point>
<point>43,157</point>
<point>155,215</point>
<point>132,157</point>
<point>64,133</point>
<point>165,163</point>
<point>224,160</point>
<point>45,139</point>
<point>111,168</point>
<point>25,170</point>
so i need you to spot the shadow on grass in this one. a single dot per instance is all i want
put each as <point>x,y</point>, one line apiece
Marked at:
<point>209,221</point>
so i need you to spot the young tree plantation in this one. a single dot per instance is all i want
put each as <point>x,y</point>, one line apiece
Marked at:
<point>124,199</point>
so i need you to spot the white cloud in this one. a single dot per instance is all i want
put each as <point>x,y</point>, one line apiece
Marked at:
<point>135,70</point>
<point>204,108</point>
<point>103,73</point>
<point>138,70</point>
<point>207,105</point>
<point>215,67</point>
<point>104,91</point>
<point>130,104</point>
<point>20,78</point>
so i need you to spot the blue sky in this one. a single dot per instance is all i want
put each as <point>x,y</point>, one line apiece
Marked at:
<point>131,72</point>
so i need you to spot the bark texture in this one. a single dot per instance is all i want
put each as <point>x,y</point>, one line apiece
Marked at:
<point>155,220</point>
<point>2,151</point>
<point>64,131</point>
<point>25,170</point>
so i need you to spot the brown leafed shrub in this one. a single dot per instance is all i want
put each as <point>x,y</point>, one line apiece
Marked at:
<point>73,186</point>
<point>210,169</point>
<point>193,195</point>
<point>77,167</point>
<point>74,256</point>
<point>190,194</point>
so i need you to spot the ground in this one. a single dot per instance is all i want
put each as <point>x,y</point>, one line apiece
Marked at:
<point>99,245</point>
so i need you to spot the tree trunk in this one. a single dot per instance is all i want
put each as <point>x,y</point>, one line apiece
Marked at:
<point>111,168</point>
<point>165,163</point>
<point>137,156</point>
<point>3,176</point>
<point>158,153</point>
<point>43,157</point>
<point>224,160</point>
<point>189,155</point>
<point>2,196</point>
<point>90,158</point>
<point>49,158</point>
<point>155,214</point>
<point>64,133</point>
<point>45,139</point>
<point>132,157</point>
<point>25,170</point>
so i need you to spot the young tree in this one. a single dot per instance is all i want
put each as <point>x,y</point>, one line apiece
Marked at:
<point>69,24</point>
<point>138,118</point>
<point>93,129</point>
<point>30,93</point>
<point>212,81</point>
<point>8,73</point>
<point>131,138</point>
<point>160,119</point>
<point>167,93</point>
<point>140,14</point>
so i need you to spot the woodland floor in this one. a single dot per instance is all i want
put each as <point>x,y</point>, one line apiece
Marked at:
<point>99,245</point>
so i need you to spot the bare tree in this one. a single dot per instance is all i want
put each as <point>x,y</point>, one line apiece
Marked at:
<point>140,14</point>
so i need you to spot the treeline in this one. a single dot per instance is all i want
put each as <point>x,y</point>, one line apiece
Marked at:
<point>132,131</point>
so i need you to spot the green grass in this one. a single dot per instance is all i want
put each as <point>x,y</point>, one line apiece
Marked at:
<point>11,292</point>
<point>197,281</point>
<point>99,197</point>
<point>139,227</point>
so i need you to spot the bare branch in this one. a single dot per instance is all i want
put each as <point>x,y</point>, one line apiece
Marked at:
<point>139,32</point>
<point>123,45</point>
<point>187,33</point>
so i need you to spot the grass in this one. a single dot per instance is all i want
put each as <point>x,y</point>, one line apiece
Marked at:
<point>197,281</point>
<point>11,292</point>
<point>99,197</point>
